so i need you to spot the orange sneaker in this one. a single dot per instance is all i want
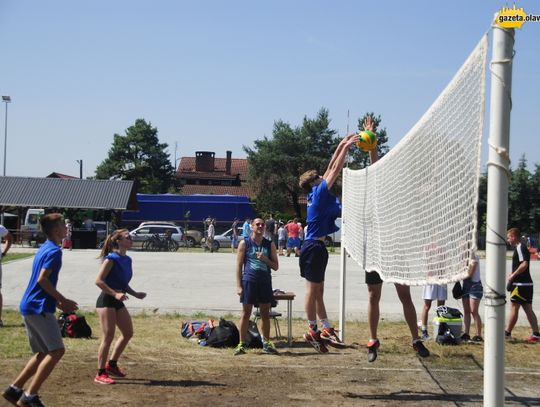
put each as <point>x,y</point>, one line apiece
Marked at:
<point>314,339</point>
<point>103,379</point>
<point>329,335</point>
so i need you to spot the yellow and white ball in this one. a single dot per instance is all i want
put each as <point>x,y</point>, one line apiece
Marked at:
<point>367,141</point>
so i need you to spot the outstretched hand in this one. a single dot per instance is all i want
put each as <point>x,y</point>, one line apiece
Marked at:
<point>369,124</point>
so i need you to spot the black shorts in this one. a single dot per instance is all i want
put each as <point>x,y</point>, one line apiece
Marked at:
<point>313,260</point>
<point>257,292</point>
<point>108,301</point>
<point>522,294</point>
<point>373,278</point>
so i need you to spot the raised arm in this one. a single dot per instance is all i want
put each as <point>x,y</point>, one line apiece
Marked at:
<point>338,159</point>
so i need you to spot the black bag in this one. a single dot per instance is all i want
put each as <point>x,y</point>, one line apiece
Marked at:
<point>445,335</point>
<point>457,291</point>
<point>253,337</point>
<point>74,326</point>
<point>224,335</point>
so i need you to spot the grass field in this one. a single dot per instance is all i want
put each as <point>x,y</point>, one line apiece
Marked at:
<point>15,256</point>
<point>166,369</point>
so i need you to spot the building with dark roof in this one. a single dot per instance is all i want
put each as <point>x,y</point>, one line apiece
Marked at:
<point>207,174</point>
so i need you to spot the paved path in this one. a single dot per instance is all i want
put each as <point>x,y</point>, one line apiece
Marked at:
<point>190,282</point>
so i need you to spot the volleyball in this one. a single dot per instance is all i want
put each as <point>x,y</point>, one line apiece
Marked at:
<point>367,141</point>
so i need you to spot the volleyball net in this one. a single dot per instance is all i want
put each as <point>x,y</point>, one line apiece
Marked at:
<point>412,216</point>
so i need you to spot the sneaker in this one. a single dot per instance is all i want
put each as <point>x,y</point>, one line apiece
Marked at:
<point>269,348</point>
<point>425,336</point>
<point>314,339</point>
<point>534,338</point>
<point>477,338</point>
<point>240,349</point>
<point>103,379</point>
<point>372,347</point>
<point>419,347</point>
<point>26,401</point>
<point>114,371</point>
<point>465,337</point>
<point>508,335</point>
<point>12,395</point>
<point>329,335</point>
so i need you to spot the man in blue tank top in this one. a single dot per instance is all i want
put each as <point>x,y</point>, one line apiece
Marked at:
<point>322,210</point>
<point>256,258</point>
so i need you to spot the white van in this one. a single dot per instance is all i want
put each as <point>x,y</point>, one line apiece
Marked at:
<point>30,227</point>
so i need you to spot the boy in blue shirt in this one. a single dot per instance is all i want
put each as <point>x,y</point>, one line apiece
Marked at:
<point>37,307</point>
<point>322,210</point>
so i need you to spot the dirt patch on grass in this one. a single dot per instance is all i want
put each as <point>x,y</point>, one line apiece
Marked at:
<point>166,369</point>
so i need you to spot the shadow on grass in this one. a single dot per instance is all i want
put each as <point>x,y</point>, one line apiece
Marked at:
<point>449,397</point>
<point>169,383</point>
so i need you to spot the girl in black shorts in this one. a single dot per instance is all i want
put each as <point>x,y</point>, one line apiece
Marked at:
<point>113,278</point>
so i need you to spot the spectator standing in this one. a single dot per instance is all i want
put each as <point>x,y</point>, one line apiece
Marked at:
<point>255,259</point>
<point>8,239</point>
<point>431,293</point>
<point>472,294</point>
<point>246,229</point>
<point>520,285</point>
<point>211,234</point>
<point>282,239</point>
<point>67,243</point>
<point>293,242</point>
<point>234,235</point>
<point>270,229</point>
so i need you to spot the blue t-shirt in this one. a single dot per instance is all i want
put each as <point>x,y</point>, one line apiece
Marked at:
<point>246,228</point>
<point>35,300</point>
<point>121,272</point>
<point>322,210</point>
<point>255,269</point>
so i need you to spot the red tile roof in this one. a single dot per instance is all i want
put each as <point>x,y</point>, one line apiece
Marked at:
<point>216,190</point>
<point>59,175</point>
<point>238,166</point>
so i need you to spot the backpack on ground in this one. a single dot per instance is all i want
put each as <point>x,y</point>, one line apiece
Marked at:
<point>74,326</point>
<point>224,335</point>
<point>197,329</point>
<point>447,325</point>
<point>253,337</point>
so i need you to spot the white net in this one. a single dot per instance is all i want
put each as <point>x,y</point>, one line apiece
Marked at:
<point>412,215</point>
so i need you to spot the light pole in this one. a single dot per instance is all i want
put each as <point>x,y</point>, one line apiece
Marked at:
<point>6,100</point>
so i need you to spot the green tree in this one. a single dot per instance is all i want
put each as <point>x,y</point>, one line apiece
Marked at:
<point>520,202</point>
<point>535,197</point>
<point>276,163</point>
<point>139,156</point>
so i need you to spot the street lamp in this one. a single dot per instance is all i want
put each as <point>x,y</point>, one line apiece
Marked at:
<point>6,100</point>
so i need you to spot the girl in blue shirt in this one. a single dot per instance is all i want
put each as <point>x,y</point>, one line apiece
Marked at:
<point>113,278</point>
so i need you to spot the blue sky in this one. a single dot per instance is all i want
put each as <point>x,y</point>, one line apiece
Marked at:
<point>216,75</point>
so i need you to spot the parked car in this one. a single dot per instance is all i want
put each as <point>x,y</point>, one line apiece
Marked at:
<point>145,232</point>
<point>101,229</point>
<point>224,239</point>
<point>190,237</point>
